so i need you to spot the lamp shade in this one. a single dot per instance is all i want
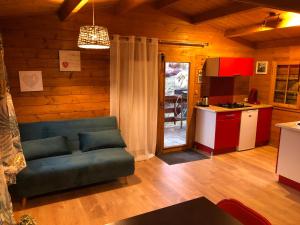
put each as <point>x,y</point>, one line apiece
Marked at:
<point>93,37</point>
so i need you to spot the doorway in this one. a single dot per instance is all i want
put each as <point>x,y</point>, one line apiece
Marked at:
<point>176,88</point>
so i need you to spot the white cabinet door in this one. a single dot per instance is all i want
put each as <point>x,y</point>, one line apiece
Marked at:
<point>205,128</point>
<point>289,155</point>
<point>248,130</point>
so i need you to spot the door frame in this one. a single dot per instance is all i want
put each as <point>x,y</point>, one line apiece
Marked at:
<point>161,102</point>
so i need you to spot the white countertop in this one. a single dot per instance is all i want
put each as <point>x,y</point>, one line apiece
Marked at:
<point>290,126</point>
<point>213,108</point>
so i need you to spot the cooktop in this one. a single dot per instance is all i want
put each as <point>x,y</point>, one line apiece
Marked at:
<point>233,105</point>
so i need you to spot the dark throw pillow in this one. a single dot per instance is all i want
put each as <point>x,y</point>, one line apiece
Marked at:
<point>47,147</point>
<point>101,139</point>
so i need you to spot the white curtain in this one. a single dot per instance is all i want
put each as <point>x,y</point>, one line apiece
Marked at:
<point>12,160</point>
<point>134,92</point>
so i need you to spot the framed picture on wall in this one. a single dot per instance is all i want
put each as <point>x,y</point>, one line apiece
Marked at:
<point>69,60</point>
<point>261,67</point>
<point>31,81</point>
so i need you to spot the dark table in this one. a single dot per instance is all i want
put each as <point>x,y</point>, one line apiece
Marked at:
<point>199,211</point>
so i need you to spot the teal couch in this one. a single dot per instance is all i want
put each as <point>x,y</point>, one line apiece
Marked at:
<point>45,175</point>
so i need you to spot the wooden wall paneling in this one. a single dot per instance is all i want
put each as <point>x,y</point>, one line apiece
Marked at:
<point>281,116</point>
<point>264,83</point>
<point>241,88</point>
<point>66,95</point>
<point>32,44</point>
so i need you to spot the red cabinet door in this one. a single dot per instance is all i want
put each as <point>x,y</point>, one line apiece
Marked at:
<point>227,132</point>
<point>236,66</point>
<point>263,126</point>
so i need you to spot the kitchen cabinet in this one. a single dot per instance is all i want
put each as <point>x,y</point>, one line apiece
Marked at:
<point>220,130</point>
<point>285,85</point>
<point>263,126</point>
<point>227,132</point>
<point>217,133</point>
<point>288,166</point>
<point>229,67</point>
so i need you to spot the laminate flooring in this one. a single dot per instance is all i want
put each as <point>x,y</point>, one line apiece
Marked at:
<point>248,176</point>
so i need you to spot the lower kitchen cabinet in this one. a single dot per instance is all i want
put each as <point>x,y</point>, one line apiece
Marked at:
<point>223,132</point>
<point>227,132</point>
<point>217,133</point>
<point>263,126</point>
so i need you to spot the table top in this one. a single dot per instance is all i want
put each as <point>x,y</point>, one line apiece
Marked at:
<point>199,211</point>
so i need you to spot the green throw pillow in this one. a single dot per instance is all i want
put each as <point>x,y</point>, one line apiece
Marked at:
<point>47,147</point>
<point>101,139</point>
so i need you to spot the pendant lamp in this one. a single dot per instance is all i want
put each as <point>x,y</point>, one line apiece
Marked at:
<point>93,36</point>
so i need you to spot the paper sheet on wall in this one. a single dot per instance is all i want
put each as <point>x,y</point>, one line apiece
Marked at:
<point>31,81</point>
<point>69,60</point>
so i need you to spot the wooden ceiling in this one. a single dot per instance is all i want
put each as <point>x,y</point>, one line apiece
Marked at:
<point>240,19</point>
<point>12,8</point>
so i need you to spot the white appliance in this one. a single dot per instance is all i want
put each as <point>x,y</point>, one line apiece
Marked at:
<point>248,130</point>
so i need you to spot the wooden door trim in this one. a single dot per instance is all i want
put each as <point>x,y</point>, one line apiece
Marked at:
<point>160,117</point>
<point>160,134</point>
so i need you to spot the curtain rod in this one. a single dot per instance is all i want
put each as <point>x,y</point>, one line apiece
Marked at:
<point>179,43</point>
<point>192,44</point>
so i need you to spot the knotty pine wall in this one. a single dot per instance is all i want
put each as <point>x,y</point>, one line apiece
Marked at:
<point>32,43</point>
<point>263,84</point>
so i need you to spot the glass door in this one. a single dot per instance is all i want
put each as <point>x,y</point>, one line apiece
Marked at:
<point>176,79</point>
<point>286,91</point>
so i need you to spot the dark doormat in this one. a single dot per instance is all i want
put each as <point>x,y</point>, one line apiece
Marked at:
<point>182,157</point>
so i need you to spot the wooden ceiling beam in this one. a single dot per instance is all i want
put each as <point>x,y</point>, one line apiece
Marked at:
<point>278,43</point>
<point>285,5</point>
<point>239,32</point>
<point>70,7</point>
<point>219,12</point>
<point>287,21</point>
<point>164,3</point>
<point>124,6</point>
<point>244,42</point>
<point>177,14</point>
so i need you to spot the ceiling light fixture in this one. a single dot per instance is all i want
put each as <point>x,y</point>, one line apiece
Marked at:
<point>93,36</point>
<point>272,20</point>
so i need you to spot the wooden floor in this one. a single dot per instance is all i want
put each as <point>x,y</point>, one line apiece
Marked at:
<point>248,176</point>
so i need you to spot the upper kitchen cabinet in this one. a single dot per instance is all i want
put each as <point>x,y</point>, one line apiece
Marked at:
<point>285,85</point>
<point>229,67</point>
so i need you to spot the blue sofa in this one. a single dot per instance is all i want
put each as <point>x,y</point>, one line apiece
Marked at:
<point>78,168</point>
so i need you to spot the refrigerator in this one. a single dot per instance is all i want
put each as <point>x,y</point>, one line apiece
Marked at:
<point>248,130</point>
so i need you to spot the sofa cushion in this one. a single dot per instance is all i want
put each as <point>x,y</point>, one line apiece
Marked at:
<point>101,139</point>
<point>66,128</point>
<point>67,171</point>
<point>46,147</point>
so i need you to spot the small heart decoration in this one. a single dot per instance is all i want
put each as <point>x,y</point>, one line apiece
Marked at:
<point>31,80</point>
<point>65,64</point>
